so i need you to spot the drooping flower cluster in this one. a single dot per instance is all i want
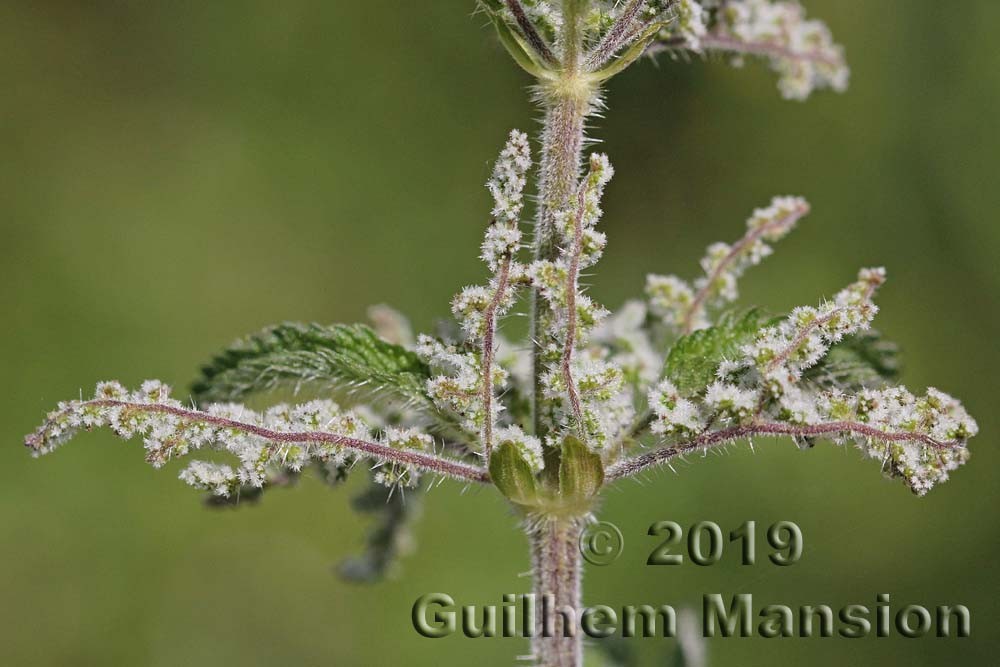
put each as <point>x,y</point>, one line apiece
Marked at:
<point>917,439</point>
<point>688,25</point>
<point>684,308</point>
<point>265,445</point>
<point>781,353</point>
<point>800,50</point>
<point>919,462</point>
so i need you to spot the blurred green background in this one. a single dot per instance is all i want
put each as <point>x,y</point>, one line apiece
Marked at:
<point>177,174</point>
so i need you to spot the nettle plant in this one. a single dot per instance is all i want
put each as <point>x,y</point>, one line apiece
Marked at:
<point>591,397</point>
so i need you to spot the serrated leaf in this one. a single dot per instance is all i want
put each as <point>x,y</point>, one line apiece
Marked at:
<point>341,357</point>
<point>388,538</point>
<point>862,361</point>
<point>693,360</point>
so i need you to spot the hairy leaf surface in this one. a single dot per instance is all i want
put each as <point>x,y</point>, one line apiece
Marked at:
<point>693,360</point>
<point>341,357</point>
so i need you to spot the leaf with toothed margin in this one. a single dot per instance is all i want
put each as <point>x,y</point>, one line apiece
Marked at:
<point>344,358</point>
<point>693,360</point>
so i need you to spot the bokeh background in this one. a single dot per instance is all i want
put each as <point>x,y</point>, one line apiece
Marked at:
<point>174,175</point>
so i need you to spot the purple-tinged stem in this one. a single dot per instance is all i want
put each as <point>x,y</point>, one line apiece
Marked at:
<point>748,239</point>
<point>635,465</point>
<point>489,352</point>
<point>426,462</point>
<point>536,41</point>
<point>569,345</point>
<point>733,45</point>
<point>557,571</point>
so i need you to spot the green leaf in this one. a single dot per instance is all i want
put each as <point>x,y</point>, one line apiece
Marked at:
<point>388,538</point>
<point>345,358</point>
<point>512,475</point>
<point>516,46</point>
<point>862,361</point>
<point>693,360</point>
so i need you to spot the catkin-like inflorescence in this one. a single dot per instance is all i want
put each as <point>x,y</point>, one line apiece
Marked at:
<point>457,383</point>
<point>783,352</point>
<point>265,445</point>
<point>683,308</point>
<point>689,24</point>
<point>583,389</point>
<point>917,439</point>
<point>467,376</point>
<point>800,50</point>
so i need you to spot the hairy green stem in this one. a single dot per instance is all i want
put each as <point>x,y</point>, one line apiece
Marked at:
<point>568,99</point>
<point>557,570</point>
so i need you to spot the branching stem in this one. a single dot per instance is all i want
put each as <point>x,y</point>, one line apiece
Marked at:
<point>751,237</point>
<point>638,464</point>
<point>426,462</point>
<point>727,44</point>
<point>568,100</point>
<point>807,330</point>
<point>489,352</point>
<point>569,345</point>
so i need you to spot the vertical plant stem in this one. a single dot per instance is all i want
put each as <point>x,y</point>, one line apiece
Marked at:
<point>556,562</point>
<point>557,570</point>
<point>562,149</point>
<point>567,99</point>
